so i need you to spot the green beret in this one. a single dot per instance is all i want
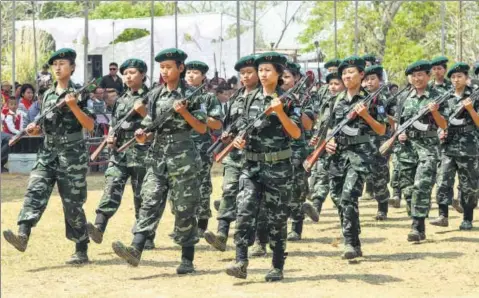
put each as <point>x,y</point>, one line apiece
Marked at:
<point>294,67</point>
<point>458,67</point>
<point>374,69</point>
<point>332,75</point>
<point>171,54</point>
<point>134,63</point>
<point>298,66</point>
<point>64,53</point>
<point>353,61</point>
<point>270,57</point>
<point>201,66</point>
<point>420,65</point>
<point>441,60</point>
<point>370,57</point>
<point>246,61</point>
<point>476,68</point>
<point>332,63</point>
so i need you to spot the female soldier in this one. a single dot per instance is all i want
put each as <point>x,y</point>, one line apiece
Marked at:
<point>353,156</point>
<point>62,159</point>
<point>172,163</point>
<point>127,164</point>
<point>267,172</point>
<point>233,162</point>
<point>195,76</point>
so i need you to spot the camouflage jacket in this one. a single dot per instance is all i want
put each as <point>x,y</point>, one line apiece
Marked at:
<point>302,104</point>
<point>211,106</point>
<point>178,157</point>
<point>461,143</point>
<point>441,88</point>
<point>425,147</point>
<point>360,156</point>
<point>135,155</point>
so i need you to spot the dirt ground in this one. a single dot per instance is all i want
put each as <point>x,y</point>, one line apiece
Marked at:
<point>446,265</point>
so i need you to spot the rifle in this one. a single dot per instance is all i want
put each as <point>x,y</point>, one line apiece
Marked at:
<point>458,111</point>
<point>116,129</point>
<point>52,109</point>
<point>313,157</point>
<point>158,123</point>
<point>255,123</point>
<point>410,122</point>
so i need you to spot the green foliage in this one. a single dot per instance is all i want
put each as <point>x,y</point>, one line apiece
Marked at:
<point>130,34</point>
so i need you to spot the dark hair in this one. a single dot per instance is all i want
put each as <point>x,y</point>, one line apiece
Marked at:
<point>25,87</point>
<point>45,65</point>
<point>279,69</point>
<point>114,64</point>
<point>183,73</point>
<point>233,80</point>
<point>392,85</point>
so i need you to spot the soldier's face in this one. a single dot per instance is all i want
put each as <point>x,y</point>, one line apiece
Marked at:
<point>372,82</point>
<point>332,69</point>
<point>62,68</point>
<point>438,72</point>
<point>169,71</point>
<point>352,77</point>
<point>335,86</point>
<point>459,80</point>
<point>268,75</point>
<point>194,77</point>
<point>420,79</point>
<point>288,80</point>
<point>133,78</point>
<point>249,76</point>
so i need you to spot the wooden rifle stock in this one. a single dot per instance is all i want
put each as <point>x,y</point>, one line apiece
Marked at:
<point>313,157</point>
<point>98,150</point>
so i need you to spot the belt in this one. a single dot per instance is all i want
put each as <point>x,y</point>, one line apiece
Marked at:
<point>415,134</point>
<point>63,139</point>
<point>461,129</point>
<point>270,156</point>
<point>173,138</point>
<point>345,140</point>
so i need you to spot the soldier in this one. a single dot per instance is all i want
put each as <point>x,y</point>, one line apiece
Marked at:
<point>459,150</point>
<point>370,59</point>
<point>439,69</point>
<point>195,76</point>
<point>62,159</point>
<point>267,172</point>
<point>127,164</point>
<point>352,157</point>
<point>233,162</point>
<point>425,144</point>
<point>320,174</point>
<point>380,177</point>
<point>172,163</point>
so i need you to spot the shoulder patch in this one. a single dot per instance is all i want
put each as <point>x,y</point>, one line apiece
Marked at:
<point>380,109</point>
<point>297,111</point>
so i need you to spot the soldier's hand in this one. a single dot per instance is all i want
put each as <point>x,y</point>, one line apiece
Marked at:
<point>402,137</point>
<point>331,147</point>
<point>140,136</point>
<point>32,129</point>
<point>70,100</point>
<point>140,109</point>
<point>467,104</point>
<point>433,107</point>
<point>314,141</point>
<point>361,110</point>
<point>442,135</point>
<point>226,137</point>
<point>277,105</point>
<point>111,141</point>
<point>179,107</point>
<point>239,143</point>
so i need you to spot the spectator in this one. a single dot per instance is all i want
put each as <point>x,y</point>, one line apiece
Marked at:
<point>33,111</point>
<point>5,150</point>
<point>96,104</point>
<point>393,89</point>
<point>110,99</point>
<point>18,89</point>
<point>13,120</point>
<point>44,78</point>
<point>27,93</point>
<point>112,80</point>
<point>233,82</point>
<point>6,91</point>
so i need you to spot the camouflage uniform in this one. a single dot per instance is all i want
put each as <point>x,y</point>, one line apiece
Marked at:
<point>441,88</point>
<point>63,159</point>
<point>353,162</point>
<point>123,165</point>
<point>459,154</point>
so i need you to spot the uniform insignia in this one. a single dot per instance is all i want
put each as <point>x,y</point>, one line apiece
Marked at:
<point>380,109</point>
<point>203,107</point>
<point>297,111</point>
<point>62,55</point>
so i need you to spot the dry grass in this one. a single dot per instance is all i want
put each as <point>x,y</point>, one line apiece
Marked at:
<point>446,265</point>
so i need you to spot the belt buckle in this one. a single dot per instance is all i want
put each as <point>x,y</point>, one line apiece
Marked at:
<point>274,156</point>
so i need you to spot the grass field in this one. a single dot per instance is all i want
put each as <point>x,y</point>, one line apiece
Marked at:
<point>446,265</point>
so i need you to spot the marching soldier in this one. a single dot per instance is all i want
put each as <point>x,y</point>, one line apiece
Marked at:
<point>439,69</point>
<point>63,159</point>
<point>172,163</point>
<point>127,164</point>
<point>195,76</point>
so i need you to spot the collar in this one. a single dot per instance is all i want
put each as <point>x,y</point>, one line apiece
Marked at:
<point>427,93</point>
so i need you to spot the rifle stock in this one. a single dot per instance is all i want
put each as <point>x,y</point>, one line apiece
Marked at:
<point>98,150</point>
<point>313,157</point>
<point>219,157</point>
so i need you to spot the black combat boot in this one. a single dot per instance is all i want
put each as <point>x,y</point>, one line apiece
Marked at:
<point>187,257</point>
<point>368,192</point>
<point>468,217</point>
<point>442,220</point>
<point>296,231</point>
<point>456,203</point>
<point>96,231</point>
<point>279,256</point>
<point>395,201</point>
<point>217,204</point>
<point>218,241</point>
<point>382,211</point>
<point>80,256</point>
<point>131,254</point>
<point>239,268</point>
<point>310,211</point>
<point>150,242</point>
<point>202,227</point>
<point>357,246</point>
<point>318,205</point>
<point>414,235</point>
<point>19,241</point>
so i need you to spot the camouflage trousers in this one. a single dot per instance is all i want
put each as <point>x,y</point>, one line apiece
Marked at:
<point>379,179</point>
<point>300,190</point>
<point>403,176</point>
<point>320,181</point>
<point>421,190</point>
<point>70,176</point>
<point>227,210</point>
<point>116,177</point>
<point>206,188</point>
<point>183,190</point>
<point>267,185</point>
<point>346,187</point>
<point>467,168</point>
